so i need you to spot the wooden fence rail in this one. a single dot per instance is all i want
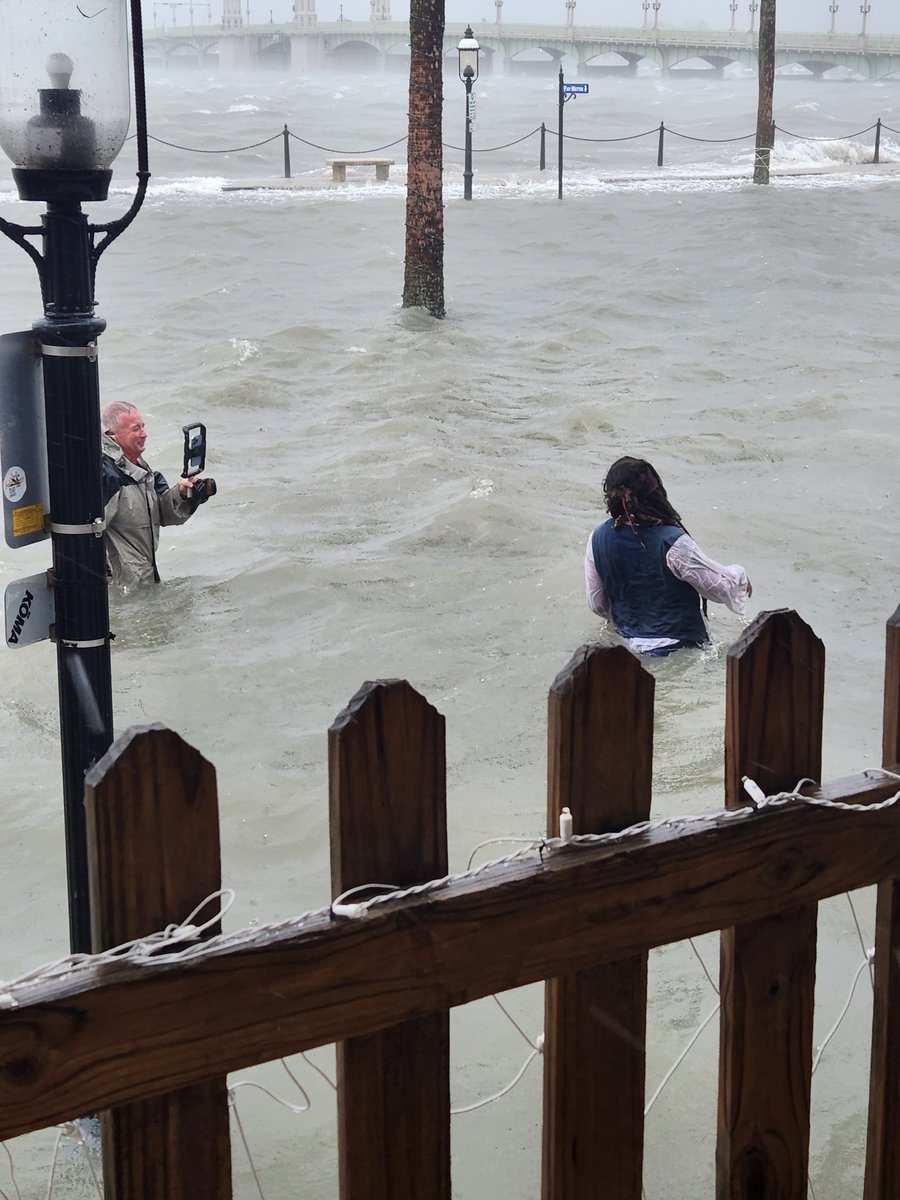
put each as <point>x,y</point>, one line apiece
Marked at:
<point>152,1041</point>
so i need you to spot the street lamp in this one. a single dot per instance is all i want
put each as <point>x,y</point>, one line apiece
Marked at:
<point>65,106</point>
<point>646,7</point>
<point>734,7</point>
<point>865,9</point>
<point>468,73</point>
<point>656,7</point>
<point>832,8</point>
<point>754,6</point>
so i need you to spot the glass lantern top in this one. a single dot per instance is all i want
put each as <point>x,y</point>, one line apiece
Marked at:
<point>65,95</point>
<point>468,55</point>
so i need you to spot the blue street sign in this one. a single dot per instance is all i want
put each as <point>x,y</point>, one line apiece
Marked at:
<point>576,89</point>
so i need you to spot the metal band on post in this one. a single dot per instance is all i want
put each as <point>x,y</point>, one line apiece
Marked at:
<point>95,528</point>
<point>89,351</point>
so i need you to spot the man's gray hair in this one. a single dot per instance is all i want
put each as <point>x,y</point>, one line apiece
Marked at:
<point>112,414</point>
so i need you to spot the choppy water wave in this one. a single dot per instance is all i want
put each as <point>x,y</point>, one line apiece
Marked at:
<point>400,496</point>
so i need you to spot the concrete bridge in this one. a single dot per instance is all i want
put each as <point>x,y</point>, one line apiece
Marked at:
<point>307,44</point>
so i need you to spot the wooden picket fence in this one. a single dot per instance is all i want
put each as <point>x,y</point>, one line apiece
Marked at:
<point>149,1044</point>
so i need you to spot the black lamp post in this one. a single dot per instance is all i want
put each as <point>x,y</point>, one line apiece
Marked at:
<point>65,106</point>
<point>468,73</point>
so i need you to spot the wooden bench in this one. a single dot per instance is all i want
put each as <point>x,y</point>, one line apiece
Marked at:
<point>339,167</point>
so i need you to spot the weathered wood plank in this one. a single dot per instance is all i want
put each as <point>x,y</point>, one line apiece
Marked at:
<point>774,704</point>
<point>153,848</point>
<point>122,1031</point>
<point>774,743</point>
<point>600,767</point>
<point>389,823</point>
<point>882,1180</point>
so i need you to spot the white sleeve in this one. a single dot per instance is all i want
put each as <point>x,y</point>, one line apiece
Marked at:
<point>725,585</point>
<point>597,599</point>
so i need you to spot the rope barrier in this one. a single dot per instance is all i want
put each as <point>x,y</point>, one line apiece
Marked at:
<point>691,138</point>
<point>517,141</point>
<point>200,150</point>
<point>490,149</point>
<point>845,137</point>
<point>331,150</point>
<point>568,137</point>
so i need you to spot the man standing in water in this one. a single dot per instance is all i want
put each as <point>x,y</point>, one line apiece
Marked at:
<point>137,499</point>
<point>646,574</point>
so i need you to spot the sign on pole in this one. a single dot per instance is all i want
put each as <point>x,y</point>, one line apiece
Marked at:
<point>471,108</point>
<point>23,441</point>
<point>29,610</point>
<point>566,92</point>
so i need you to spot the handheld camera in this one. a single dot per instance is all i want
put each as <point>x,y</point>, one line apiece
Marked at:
<point>195,461</point>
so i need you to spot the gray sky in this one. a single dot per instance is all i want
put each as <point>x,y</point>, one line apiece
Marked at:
<point>806,15</point>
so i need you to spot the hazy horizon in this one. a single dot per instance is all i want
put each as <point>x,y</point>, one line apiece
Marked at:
<point>808,16</point>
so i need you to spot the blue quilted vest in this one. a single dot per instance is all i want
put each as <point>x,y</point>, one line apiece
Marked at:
<point>647,600</point>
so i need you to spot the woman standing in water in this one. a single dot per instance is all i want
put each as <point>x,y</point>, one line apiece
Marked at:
<point>645,574</point>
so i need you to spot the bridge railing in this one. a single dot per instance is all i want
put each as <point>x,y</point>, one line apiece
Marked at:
<point>819,41</point>
<point>585,144</point>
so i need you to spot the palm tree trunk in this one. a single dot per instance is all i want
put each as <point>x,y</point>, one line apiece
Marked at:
<point>423,284</point>
<point>765,123</point>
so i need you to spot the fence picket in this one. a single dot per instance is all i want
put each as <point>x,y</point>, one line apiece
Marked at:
<point>774,703</point>
<point>153,847</point>
<point>882,1181</point>
<point>600,757</point>
<point>86,1036</point>
<point>387,785</point>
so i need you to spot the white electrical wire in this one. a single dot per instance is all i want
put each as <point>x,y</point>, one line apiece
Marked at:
<point>833,1030</point>
<point>680,1059</point>
<point>148,949</point>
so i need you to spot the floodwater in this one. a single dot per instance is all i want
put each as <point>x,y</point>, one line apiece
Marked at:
<point>400,497</point>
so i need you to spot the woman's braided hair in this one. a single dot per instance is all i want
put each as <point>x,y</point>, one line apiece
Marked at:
<point>635,494</point>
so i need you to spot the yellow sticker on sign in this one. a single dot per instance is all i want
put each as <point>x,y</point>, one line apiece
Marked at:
<point>29,519</point>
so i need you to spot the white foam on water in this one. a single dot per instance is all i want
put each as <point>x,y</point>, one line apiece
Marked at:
<point>246,349</point>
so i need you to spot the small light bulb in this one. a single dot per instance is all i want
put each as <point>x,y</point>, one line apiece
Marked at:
<point>60,68</point>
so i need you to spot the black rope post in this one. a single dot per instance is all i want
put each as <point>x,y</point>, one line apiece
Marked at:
<point>287,152</point>
<point>877,157</point>
<point>543,166</point>
<point>662,138</point>
<point>560,136</point>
